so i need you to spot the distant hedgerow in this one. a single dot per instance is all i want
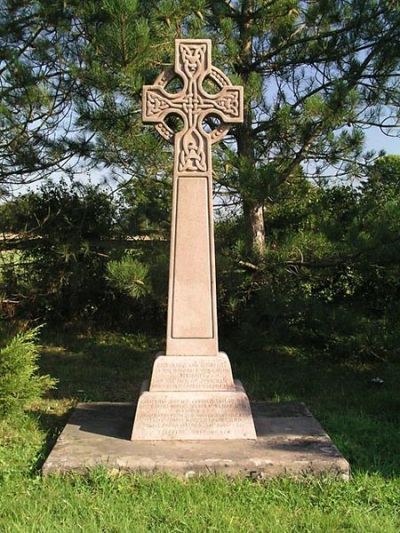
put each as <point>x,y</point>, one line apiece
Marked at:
<point>20,383</point>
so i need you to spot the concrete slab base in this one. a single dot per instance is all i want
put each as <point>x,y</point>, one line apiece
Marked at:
<point>290,441</point>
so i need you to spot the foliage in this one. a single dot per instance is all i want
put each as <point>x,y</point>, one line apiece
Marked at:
<point>38,133</point>
<point>20,384</point>
<point>316,74</point>
<point>129,275</point>
<point>63,250</point>
<point>330,275</point>
<point>73,255</point>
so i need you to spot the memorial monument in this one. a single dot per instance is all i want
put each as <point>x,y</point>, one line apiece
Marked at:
<point>191,394</point>
<point>192,417</point>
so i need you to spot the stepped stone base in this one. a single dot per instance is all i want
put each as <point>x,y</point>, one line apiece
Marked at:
<point>289,442</point>
<point>182,373</point>
<point>194,416</point>
<point>193,398</point>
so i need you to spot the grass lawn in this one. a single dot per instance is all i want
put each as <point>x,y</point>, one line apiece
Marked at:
<point>362,418</point>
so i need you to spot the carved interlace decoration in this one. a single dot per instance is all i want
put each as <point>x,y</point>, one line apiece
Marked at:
<point>193,104</point>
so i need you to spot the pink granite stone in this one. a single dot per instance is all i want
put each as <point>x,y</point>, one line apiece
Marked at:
<point>193,416</point>
<point>192,395</point>
<point>192,373</point>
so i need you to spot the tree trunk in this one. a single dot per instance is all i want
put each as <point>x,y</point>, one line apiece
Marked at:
<point>253,210</point>
<point>255,215</point>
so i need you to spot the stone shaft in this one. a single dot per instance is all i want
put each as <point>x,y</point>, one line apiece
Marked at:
<point>192,309</point>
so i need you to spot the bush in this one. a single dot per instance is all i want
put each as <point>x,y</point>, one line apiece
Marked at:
<point>329,280</point>
<point>20,383</point>
<point>60,272</point>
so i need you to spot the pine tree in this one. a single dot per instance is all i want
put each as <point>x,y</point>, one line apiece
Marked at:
<point>36,121</point>
<point>316,74</point>
<point>20,383</point>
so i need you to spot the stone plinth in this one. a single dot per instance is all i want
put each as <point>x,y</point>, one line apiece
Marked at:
<point>289,442</point>
<point>193,398</point>
<point>194,416</point>
<point>192,373</point>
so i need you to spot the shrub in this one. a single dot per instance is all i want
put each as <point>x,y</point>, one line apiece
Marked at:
<point>60,272</point>
<point>20,383</point>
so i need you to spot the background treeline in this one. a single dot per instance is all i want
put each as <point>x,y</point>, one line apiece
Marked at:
<point>307,219</point>
<point>316,75</point>
<point>329,279</point>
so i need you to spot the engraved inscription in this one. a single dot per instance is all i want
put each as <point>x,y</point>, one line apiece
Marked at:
<point>192,373</point>
<point>201,416</point>
<point>196,376</point>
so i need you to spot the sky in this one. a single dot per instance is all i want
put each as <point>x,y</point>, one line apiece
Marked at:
<point>376,140</point>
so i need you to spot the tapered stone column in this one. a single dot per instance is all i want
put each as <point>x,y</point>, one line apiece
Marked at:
<point>192,311</point>
<point>192,394</point>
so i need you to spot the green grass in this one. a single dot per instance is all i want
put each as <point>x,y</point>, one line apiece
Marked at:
<point>100,502</point>
<point>362,418</point>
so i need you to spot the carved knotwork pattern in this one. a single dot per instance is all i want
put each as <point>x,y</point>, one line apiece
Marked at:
<point>193,152</point>
<point>193,58</point>
<point>229,105</point>
<point>156,104</point>
<point>193,104</point>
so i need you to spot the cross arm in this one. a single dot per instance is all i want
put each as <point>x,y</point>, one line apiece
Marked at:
<point>157,103</point>
<point>227,104</point>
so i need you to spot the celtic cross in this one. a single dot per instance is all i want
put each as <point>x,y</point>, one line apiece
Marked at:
<point>192,310</point>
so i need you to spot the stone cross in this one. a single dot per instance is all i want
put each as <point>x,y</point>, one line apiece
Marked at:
<point>192,394</point>
<point>192,311</point>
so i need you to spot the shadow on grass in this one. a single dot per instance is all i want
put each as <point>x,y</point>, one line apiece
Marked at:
<point>51,424</point>
<point>102,367</point>
<point>89,368</point>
